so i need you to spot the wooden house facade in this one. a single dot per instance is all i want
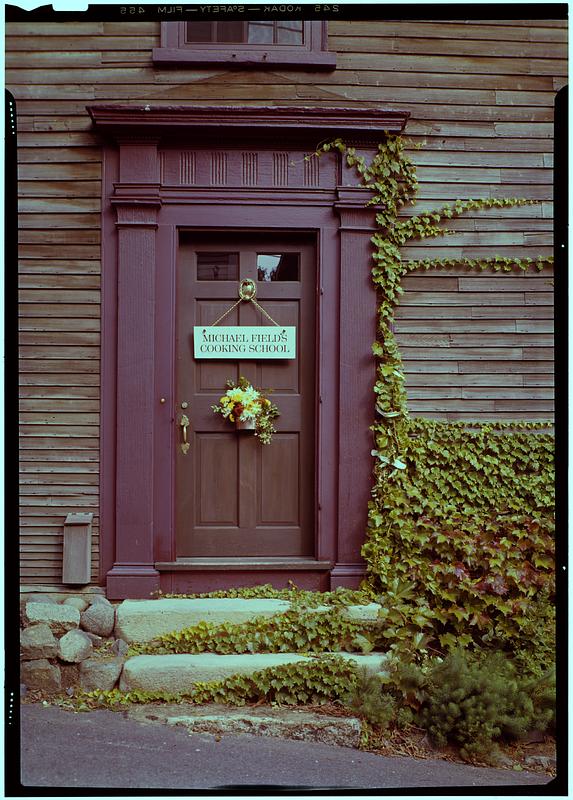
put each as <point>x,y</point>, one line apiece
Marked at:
<point>156,166</point>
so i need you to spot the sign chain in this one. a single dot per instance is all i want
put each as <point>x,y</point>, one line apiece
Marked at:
<point>247,292</point>
<point>262,310</point>
<point>227,312</point>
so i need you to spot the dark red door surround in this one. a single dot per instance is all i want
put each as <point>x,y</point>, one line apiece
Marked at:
<point>239,169</point>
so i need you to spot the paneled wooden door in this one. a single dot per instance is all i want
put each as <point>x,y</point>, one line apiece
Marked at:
<point>234,496</point>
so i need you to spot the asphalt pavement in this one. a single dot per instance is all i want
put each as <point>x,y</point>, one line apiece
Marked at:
<point>104,749</point>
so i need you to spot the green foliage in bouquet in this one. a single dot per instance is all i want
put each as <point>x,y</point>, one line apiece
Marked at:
<point>243,403</point>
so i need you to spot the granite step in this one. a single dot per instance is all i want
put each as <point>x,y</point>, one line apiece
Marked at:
<point>280,722</point>
<point>178,673</point>
<point>144,620</point>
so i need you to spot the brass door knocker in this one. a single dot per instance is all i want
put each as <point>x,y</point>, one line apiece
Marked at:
<point>247,289</point>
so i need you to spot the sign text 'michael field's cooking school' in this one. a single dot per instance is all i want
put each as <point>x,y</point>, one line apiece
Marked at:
<point>244,342</point>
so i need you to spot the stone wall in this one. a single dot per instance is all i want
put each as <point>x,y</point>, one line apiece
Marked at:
<point>67,643</point>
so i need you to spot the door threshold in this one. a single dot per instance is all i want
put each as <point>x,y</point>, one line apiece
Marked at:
<point>250,563</point>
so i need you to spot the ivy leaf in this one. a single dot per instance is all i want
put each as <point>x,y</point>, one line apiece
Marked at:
<point>363,644</point>
<point>541,560</point>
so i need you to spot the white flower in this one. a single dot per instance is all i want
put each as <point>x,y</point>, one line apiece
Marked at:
<point>251,395</point>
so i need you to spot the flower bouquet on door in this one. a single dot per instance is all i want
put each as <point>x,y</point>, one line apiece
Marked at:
<point>248,409</point>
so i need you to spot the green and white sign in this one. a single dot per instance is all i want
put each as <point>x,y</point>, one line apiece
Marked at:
<point>244,342</point>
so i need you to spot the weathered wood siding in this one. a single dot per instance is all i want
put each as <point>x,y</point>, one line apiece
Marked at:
<point>476,346</point>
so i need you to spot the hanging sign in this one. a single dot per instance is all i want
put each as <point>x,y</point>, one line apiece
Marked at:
<point>240,341</point>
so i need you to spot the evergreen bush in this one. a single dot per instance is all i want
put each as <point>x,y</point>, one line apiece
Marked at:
<point>471,702</point>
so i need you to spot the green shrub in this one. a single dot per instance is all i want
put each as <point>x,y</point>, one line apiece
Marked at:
<point>474,702</point>
<point>370,699</point>
<point>467,700</point>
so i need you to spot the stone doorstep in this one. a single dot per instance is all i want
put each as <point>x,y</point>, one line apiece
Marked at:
<point>178,672</point>
<point>286,723</point>
<point>144,620</point>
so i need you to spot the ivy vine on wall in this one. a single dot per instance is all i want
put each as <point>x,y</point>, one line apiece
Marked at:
<point>460,526</point>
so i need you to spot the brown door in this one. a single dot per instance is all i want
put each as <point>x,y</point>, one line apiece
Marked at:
<point>235,496</point>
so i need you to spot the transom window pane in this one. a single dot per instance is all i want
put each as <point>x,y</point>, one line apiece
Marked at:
<point>284,32</point>
<point>278,267</point>
<point>217,266</point>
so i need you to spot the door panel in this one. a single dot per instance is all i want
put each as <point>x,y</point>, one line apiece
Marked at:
<point>279,485</point>
<point>234,496</point>
<point>217,466</point>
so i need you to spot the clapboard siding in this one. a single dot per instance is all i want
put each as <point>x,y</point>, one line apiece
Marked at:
<point>470,323</point>
<point>481,97</point>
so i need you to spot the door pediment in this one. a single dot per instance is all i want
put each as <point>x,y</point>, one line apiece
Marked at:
<point>249,123</point>
<point>228,147</point>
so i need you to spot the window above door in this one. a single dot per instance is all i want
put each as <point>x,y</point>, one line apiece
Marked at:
<point>249,43</point>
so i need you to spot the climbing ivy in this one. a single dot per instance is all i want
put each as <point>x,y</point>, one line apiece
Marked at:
<point>291,632</point>
<point>313,681</point>
<point>301,598</point>
<point>460,539</point>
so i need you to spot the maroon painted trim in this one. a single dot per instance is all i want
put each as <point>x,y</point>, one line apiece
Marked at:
<point>328,257</point>
<point>312,54</point>
<point>240,565</point>
<point>165,444</point>
<point>357,373</point>
<point>347,576</point>
<point>170,119</point>
<point>209,581</point>
<point>108,422</point>
<point>141,220</point>
<point>244,59</point>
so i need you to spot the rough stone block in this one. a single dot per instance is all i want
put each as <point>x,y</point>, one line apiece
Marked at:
<point>99,618</point>
<point>120,647</point>
<point>96,640</point>
<point>75,646</point>
<point>76,602</point>
<point>143,620</point>
<point>364,613</point>
<point>377,662</point>
<point>38,642</point>
<point>283,723</point>
<point>179,672</point>
<point>40,674</point>
<point>70,675</point>
<point>100,674</point>
<point>60,618</point>
<point>41,598</point>
<point>99,598</point>
<point>546,762</point>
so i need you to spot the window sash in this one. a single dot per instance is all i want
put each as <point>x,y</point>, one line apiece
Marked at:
<point>313,53</point>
